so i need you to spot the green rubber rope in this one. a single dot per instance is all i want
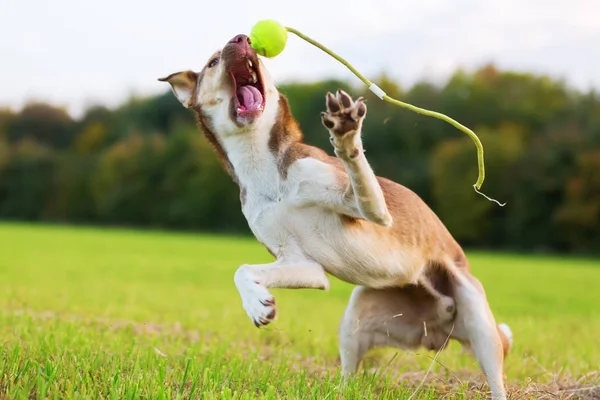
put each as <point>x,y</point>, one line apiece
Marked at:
<point>381,94</point>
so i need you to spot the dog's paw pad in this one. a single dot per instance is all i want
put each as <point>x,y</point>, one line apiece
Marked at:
<point>332,103</point>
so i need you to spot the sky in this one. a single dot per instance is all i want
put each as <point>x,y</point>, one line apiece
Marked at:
<point>77,53</point>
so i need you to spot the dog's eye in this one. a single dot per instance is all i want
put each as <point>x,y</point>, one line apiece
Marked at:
<point>213,62</point>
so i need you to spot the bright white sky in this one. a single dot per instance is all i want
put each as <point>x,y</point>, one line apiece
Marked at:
<point>79,52</point>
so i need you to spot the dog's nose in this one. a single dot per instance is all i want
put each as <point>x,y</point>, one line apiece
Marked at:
<point>241,39</point>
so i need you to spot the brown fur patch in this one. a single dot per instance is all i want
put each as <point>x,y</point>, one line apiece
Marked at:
<point>460,260</point>
<point>417,225</point>
<point>285,130</point>
<point>204,127</point>
<point>187,77</point>
<point>286,144</point>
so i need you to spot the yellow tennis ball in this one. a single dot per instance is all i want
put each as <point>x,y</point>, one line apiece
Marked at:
<point>268,38</point>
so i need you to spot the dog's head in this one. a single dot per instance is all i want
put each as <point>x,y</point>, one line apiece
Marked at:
<point>232,92</point>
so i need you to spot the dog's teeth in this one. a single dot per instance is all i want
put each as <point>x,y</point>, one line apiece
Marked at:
<point>250,63</point>
<point>253,76</point>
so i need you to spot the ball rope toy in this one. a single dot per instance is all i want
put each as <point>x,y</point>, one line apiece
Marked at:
<point>269,37</point>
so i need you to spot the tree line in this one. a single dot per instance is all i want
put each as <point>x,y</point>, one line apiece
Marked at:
<point>146,164</point>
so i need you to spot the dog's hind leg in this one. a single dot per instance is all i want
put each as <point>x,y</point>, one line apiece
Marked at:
<point>476,326</point>
<point>354,334</point>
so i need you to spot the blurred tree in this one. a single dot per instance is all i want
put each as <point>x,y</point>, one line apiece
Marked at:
<point>6,117</point>
<point>540,183</point>
<point>48,125</point>
<point>578,217</point>
<point>71,196</point>
<point>124,182</point>
<point>470,217</point>
<point>199,192</point>
<point>26,181</point>
<point>5,159</point>
<point>91,139</point>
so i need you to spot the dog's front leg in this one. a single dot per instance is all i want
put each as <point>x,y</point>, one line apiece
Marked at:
<point>253,282</point>
<point>344,119</point>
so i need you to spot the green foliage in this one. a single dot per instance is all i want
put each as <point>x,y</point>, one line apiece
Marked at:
<point>199,192</point>
<point>71,198</point>
<point>26,180</point>
<point>471,220</point>
<point>91,139</point>
<point>579,214</point>
<point>43,123</point>
<point>123,185</point>
<point>145,163</point>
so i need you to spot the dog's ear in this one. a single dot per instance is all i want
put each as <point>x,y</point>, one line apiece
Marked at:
<point>183,85</point>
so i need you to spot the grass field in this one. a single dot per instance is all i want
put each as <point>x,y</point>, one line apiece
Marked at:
<point>106,313</point>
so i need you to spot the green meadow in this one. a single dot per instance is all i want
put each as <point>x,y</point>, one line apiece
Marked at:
<point>91,313</point>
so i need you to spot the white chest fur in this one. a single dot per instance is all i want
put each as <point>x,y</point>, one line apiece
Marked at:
<point>255,167</point>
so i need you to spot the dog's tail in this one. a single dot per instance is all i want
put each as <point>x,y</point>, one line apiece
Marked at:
<point>506,336</point>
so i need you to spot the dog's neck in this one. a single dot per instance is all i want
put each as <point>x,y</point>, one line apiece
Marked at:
<point>255,157</point>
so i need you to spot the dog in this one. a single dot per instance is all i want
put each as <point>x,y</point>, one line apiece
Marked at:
<point>320,214</point>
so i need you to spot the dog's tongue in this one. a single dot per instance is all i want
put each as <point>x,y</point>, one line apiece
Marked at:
<point>251,98</point>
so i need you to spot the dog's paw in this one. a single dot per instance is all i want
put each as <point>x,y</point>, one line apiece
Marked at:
<point>343,119</point>
<point>343,114</point>
<point>258,303</point>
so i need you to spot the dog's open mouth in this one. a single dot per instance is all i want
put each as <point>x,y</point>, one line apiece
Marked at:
<point>249,95</point>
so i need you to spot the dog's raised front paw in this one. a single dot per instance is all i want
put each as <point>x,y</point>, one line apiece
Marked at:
<point>258,303</point>
<point>343,114</point>
<point>343,119</point>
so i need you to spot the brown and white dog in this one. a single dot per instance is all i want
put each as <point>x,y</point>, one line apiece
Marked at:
<point>318,214</point>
